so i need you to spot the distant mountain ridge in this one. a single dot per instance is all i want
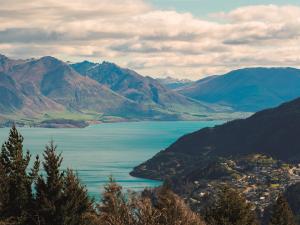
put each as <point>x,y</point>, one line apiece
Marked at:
<point>250,89</point>
<point>48,88</point>
<point>272,132</point>
<point>173,83</point>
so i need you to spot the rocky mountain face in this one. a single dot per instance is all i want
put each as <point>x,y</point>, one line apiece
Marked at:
<point>6,63</point>
<point>272,132</point>
<point>83,67</point>
<point>48,84</point>
<point>142,90</point>
<point>11,100</point>
<point>249,90</point>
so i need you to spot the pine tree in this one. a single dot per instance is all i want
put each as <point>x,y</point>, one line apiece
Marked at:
<point>76,200</point>
<point>114,209</point>
<point>230,208</point>
<point>4,197</point>
<point>281,213</point>
<point>17,202</point>
<point>49,190</point>
<point>145,212</point>
<point>173,209</point>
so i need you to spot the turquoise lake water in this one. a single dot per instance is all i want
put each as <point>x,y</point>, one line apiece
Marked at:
<point>99,151</point>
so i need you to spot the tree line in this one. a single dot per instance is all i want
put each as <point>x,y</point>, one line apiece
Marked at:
<point>44,194</point>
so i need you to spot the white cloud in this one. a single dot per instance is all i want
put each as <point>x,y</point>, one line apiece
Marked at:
<point>135,34</point>
<point>263,13</point>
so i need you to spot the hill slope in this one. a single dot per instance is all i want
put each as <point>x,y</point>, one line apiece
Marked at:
<point>273,132</point>
<point>249,90</point>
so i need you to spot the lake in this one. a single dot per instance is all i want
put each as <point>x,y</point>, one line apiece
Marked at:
<point>101,150</point>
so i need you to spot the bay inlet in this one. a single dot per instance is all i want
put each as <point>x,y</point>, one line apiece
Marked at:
<point>101,150</point>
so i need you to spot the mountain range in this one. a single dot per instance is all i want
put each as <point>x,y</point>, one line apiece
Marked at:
<point>140,89</point>
<point>49,85</point>
<point>249,90</point>
<point>272,132</point>
<point>34,91</point>
<point>47,88</point>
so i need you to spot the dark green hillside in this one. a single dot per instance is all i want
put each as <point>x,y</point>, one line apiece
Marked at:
<point>273,132</point>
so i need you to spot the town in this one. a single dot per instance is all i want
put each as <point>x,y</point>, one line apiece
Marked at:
<point>260,178</point>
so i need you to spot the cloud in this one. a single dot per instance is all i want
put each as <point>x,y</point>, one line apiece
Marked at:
<point>28,35</point>
<point>262,13</point>
<point>136,34</point>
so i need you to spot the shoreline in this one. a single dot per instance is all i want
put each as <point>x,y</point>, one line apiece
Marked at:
<point>83,124</point>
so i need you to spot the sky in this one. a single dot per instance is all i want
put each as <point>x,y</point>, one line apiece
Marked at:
<point>185,39</point>
<point>202,8</point>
